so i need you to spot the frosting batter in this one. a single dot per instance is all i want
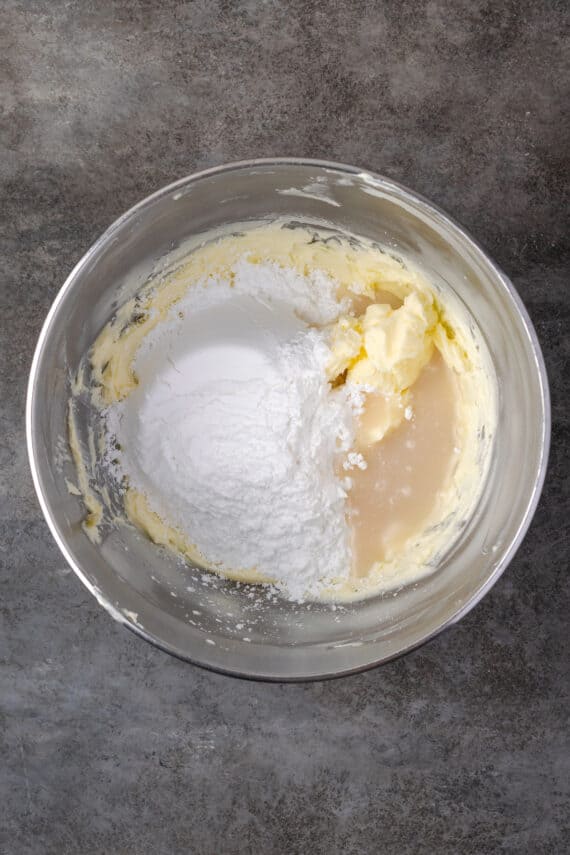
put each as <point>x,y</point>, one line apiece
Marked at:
<point>366,397</point>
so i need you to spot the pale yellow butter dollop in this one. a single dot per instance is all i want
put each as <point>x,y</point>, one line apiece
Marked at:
<point>385,350</point>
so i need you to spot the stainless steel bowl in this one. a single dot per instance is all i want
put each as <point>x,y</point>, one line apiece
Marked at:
<point>215,623</point>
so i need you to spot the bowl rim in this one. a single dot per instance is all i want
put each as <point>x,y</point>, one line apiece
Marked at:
<point>381,182</point>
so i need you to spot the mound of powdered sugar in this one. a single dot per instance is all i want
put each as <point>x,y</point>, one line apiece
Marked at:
<point>234,433</point>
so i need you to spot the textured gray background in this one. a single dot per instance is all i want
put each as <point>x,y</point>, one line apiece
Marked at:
<point>110,746</point>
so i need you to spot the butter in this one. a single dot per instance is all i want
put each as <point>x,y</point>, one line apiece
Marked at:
<point>398,344</point>
<point>346,344</point>
<point>385,350</point>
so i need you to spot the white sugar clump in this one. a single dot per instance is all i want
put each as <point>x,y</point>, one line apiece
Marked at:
<point>234,434</point>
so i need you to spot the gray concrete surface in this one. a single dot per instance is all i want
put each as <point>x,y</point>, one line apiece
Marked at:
<point>110,746</point>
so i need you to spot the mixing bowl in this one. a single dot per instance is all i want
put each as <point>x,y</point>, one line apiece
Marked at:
<point>213,622</point>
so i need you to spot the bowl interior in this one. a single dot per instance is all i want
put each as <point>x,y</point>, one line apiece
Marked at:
<point>235,628</point>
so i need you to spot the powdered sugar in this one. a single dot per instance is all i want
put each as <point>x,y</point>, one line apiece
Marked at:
<point>311,298</point>
<point>234,434</point>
